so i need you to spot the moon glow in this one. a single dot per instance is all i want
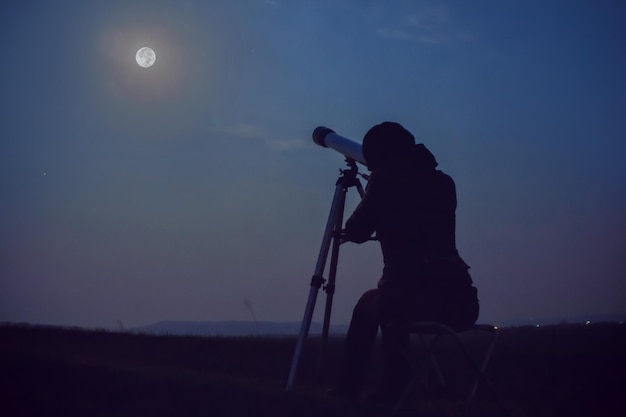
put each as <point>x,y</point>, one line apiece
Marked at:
<point>145,57</point>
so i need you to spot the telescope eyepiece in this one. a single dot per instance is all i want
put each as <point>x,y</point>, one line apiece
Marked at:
<point>319,135</point>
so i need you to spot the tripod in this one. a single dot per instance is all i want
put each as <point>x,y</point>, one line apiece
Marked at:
<point>347,178</point>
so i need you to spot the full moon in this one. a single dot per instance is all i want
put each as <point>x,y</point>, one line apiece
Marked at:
<point>145,57</point>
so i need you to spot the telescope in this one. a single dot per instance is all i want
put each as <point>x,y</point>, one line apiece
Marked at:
<point>327,138</point>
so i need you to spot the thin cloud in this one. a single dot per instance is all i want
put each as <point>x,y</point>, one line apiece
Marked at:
<point>394,34</point>
<point>242,130</point>
<point>429,26</point>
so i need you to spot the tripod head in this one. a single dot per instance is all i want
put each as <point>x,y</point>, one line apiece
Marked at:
<point>352,173</point>
<point>352,170</point>
<point>348,177</point>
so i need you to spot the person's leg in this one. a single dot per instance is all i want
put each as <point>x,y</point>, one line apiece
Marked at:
<point>396,367</point>
<point>360,342</point>
<point>397,307</point>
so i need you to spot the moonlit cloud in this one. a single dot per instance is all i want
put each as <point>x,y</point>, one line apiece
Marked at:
<point>431,19</point>
<point>290,144</point>
<point>252,132</point>
<point>242,130</point>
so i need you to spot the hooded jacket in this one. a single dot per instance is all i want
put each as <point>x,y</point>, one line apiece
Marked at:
<point>411,206</point>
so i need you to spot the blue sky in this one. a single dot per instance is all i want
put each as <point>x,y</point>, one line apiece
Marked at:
<point>181,190</point>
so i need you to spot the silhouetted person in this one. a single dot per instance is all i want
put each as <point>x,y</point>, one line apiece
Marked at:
<point>411,207</point>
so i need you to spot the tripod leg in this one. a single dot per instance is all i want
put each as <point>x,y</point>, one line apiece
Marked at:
<point>332,273</point>
<point>336,210</point>
<point>330,287</point>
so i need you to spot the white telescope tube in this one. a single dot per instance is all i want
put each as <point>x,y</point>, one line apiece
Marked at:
<point>327,138</point>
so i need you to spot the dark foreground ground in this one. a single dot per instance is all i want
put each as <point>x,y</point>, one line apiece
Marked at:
<point>44,371</point>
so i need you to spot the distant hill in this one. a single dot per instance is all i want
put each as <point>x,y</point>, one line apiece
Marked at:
<point>274,328</point>
<point>233,328</point>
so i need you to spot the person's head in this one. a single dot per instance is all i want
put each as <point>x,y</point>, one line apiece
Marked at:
<point>386,142</point>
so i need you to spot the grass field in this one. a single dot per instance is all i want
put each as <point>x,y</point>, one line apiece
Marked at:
<point>567,370</point>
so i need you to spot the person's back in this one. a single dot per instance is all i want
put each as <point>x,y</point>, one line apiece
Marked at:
<point>415,215</point>
<point>411,207</point>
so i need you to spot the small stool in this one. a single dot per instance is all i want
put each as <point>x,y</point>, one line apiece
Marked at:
<point>439,331</point>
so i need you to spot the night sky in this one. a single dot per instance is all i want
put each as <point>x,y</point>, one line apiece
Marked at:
<point>191,190</point>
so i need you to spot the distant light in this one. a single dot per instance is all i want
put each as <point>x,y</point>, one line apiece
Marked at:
<point>587,323</point>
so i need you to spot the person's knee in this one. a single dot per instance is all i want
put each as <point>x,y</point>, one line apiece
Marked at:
<point>367,306</point>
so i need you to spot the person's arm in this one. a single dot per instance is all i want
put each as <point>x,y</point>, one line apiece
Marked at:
<point>362,223</point>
